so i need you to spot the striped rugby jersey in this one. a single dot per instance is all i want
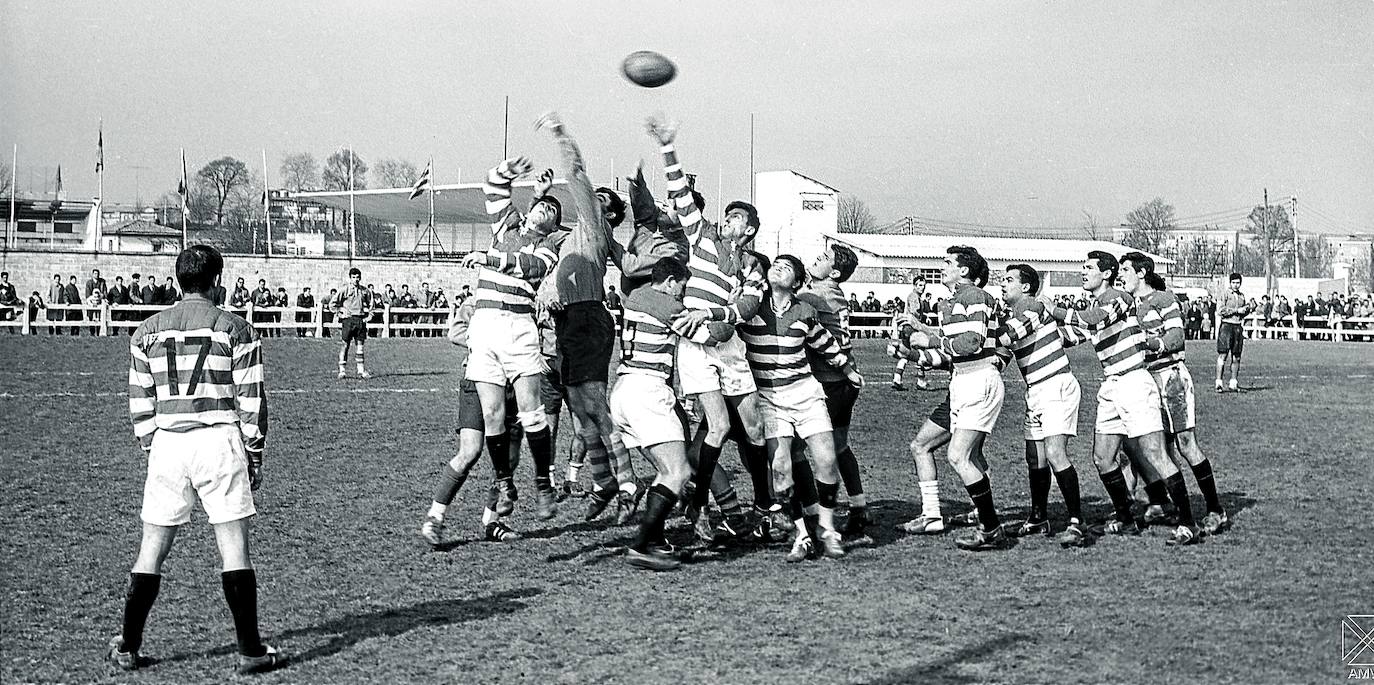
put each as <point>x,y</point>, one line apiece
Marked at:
<point>832,311</point>
<point>1034,336</point>
<point>647,340</point>
<point>517,262</point>
<point>776,345</point>
<point>1161,317</point>
<point>1115,330</point>
<point>968,326</point>
<point>717,267</point>
<point>196,365</point>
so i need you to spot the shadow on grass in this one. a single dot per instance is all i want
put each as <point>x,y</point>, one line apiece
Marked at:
<point>943,669</point>
<point>346,631</point>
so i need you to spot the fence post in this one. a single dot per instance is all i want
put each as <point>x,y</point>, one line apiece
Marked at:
<point>25,328</point>
<point>249,313</point>
<point>104,319</point>
<point>318,320</point>
<point>386,320</point>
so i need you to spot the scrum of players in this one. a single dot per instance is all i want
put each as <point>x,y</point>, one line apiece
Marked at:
<point>759,350</point>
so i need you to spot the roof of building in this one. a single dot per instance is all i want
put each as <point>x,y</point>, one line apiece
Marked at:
<point>994,249</point>
<point>455,203</point>
<point>141,228</point>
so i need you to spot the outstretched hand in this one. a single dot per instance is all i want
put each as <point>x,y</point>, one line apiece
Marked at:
<point>661,130</point>
<point>474,259</point>
<point>543,183</point>
<point>520,165</point>
<point>549,121</point>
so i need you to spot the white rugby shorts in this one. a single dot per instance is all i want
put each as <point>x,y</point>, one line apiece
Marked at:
<point>1129,405</point>
<point>503,346</point>
<point>644,410</point>
<point>1052,407</point>
<point>975,398</point>
<point>797,409</point>
<point>707,368</point>
<point>1178,404</point>
<point>209,464</point>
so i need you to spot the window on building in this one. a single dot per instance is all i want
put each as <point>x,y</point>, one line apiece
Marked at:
<point>27,227</point>
<point>813,205</point>
<point>63,227</point>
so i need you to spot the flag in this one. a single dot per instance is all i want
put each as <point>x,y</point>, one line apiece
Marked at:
<point>422,184</point>
<point>100,150</point>
<point>183,188</point>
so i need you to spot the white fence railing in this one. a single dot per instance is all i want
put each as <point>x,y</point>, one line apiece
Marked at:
<point>391,322</point>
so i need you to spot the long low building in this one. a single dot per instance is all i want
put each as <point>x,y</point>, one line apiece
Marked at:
<point>888,263</point>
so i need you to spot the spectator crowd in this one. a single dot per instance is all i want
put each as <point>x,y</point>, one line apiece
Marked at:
<point>1322,312</point>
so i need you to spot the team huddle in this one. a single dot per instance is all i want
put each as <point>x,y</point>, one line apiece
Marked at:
<point>752,350</point>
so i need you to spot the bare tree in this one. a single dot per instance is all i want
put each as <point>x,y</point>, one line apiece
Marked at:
<point>223,178</point>
<point>6,177</point>
<point>854,216</point>
<point>300,171</point>
<point>1273,238</point>
<point>396,173</point>
<point>1149,225</point>
<point>336,168</point>
<point>1316,255</point>
<point>1092,228</point>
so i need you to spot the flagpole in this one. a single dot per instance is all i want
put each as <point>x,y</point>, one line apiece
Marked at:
<point>352,225</point>
<point>266,203</point>
<point>432,234</point>
<point>185,194</point>
<point>100,184</point>
<point>14,176</point>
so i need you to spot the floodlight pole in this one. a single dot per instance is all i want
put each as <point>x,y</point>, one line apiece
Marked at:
<point>267,204</point>
<point>432,235</point>
<point>352,224</point>
<point>14,176</point>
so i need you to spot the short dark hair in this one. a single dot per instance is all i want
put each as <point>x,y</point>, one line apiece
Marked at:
<point>764,262</point>
<point>617,206</point>
<point>748,209</point>
<point>136,275</point>
<point>552,202</point>
<point>6,274</point>
<point>798,268</point>
<point>845,261</point>
<point>1028,275</point>
<point>355,271</point>
<point>197,268</point>
<point>667,268</point>
<point>1106,262</point>
<point>1139,261</point>
<point>1234,277</point>
<point>969,258</point>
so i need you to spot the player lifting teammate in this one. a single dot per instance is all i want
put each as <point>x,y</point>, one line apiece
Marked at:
<point>199,410</point>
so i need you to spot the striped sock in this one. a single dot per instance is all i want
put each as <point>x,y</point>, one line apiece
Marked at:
<point>728,502</point>
<point>599,464</point>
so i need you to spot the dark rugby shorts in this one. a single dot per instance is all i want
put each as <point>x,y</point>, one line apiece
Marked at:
<point>354,329</point>
<point>1230,339</point>
<point>840,398</point>
<point>586,338</point>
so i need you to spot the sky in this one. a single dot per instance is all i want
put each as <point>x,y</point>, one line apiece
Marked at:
<point>1023,114</point>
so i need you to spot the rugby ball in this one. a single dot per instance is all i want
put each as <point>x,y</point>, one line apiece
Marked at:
<point>648,69</point>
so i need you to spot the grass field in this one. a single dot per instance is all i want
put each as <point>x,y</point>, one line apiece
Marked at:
<point>349,590</point>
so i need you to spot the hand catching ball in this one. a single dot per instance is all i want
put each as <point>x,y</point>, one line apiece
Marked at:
<point>648,69</point>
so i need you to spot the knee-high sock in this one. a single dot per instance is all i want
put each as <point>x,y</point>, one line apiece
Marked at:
<point>241,592</point>
<point>450,482</point>
<point>755,458</point>
<point>1157,492</point>
<point>981,494</point>
<point>541,450</point>
<point>804,484</point>
<point>143,589</point>
<point>1207,483</point>
<point>827,494</point>
<point>930,498</point>
<point>1178,492</point>
<point>724,493</point>
<point>853,482</point>
<point>1115,483</point>
<point>658,505</point>
<point>1068,485</point>
<point>599,463</point>
<point>498,450</point>
<point>1040,493</point>
<point>706,468</point>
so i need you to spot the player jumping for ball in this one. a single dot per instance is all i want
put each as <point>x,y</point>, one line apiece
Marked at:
<point>503,340</point>
<point>199,410</point>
